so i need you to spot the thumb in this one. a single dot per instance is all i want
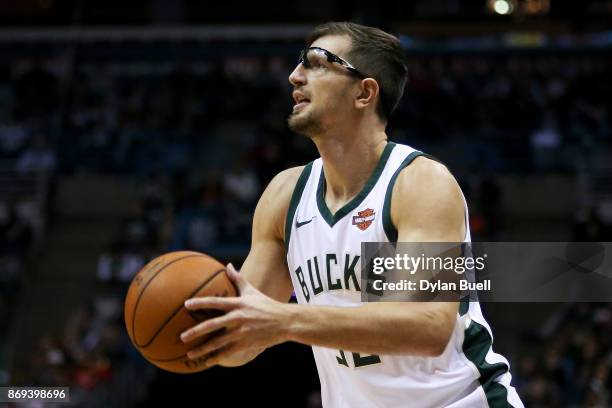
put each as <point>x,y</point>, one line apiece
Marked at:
<point>237,279</point>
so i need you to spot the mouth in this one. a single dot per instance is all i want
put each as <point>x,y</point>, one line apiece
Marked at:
<point>300,101</point>
<point>300,106</point>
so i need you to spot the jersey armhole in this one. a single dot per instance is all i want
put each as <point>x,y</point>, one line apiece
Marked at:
<point>295,200</point>
<point>390,230</point>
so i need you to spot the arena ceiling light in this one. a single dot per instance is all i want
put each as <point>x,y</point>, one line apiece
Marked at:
<point>502,7</point>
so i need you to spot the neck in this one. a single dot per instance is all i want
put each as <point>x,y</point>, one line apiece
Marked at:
<point>349,158</point>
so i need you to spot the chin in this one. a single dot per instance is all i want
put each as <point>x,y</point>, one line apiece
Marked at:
<point>304,122</point>
<point>299,123</point>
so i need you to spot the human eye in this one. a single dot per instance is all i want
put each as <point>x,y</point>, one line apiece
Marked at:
<point>315,62</point>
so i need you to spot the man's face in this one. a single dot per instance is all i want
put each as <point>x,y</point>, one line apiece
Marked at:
<point>322,92</point>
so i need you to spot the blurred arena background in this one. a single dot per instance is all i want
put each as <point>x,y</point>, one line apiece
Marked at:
<point>135,128</point>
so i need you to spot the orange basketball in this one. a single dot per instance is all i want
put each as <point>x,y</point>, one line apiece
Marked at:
<point>155,315</point>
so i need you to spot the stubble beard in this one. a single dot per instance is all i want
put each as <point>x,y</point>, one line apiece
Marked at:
<point>304,123</point>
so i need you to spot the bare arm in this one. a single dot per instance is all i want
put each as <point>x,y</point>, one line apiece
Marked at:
<point>266,264</point>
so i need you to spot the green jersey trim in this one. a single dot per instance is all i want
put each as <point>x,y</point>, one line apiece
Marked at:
<point>476,345</point>
<point>295,200</point>
<point>332,219</point>
<point>390,230</point>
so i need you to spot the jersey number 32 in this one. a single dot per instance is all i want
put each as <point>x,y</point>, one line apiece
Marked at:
<point>358,359</point>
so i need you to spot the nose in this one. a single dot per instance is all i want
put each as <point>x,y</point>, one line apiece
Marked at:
<point>298,76</point>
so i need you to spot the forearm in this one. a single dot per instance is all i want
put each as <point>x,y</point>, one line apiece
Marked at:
<point>375,328</point>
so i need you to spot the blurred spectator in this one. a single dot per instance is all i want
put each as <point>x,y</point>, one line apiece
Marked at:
<point>13,138</point>
<point>39,156</point>
<point>16,238</point>
<point>89,356</point>
<point>574,369</point>
<point>486,214</point>
<point>241,188</point>
<point>119,264</point>
<point>545,143</point>
<point>241,183</point>
<point>198,220</point>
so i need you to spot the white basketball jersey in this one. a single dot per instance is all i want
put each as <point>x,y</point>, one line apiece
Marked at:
<point>323,254</point>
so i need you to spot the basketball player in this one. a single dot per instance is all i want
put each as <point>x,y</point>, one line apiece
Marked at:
<point>307,234</point>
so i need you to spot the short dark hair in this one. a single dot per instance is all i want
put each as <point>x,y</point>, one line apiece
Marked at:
<point>375,53</point>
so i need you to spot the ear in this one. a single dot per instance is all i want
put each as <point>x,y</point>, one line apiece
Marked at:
<point>368,93</point>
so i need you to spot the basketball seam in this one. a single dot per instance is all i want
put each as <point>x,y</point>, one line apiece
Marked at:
<point>151,280</point>
<point>147,344</point>
<point>167,360</point>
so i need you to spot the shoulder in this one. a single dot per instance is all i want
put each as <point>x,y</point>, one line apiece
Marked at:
<point>273,205</point>
<point>425,175</point>
<point>425,195</point>
<point>277,195</point>
<point>285,181</point>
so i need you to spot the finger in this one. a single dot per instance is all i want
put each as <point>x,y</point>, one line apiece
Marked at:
<point>221,354</point>
<point>212,302</point>
<point>237,279</point>
<point>213,345</point>
<point>208,326</point>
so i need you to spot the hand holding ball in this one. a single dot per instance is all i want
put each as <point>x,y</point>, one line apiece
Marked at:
<point>155,315</point>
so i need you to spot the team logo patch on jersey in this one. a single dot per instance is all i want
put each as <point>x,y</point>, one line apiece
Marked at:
<point>364,218</point>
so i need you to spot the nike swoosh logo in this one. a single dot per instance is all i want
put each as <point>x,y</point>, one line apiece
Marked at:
<point>300,224</point>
